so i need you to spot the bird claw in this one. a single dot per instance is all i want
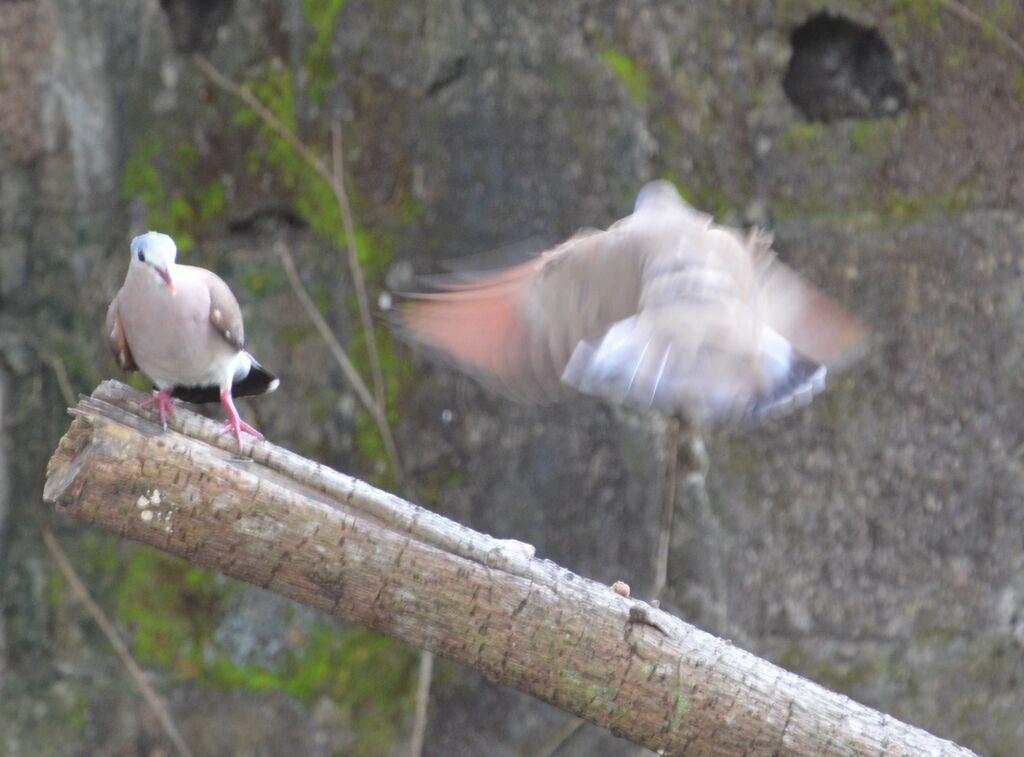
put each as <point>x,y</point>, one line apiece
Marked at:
<point>164,404</point>
<point>238,427</point>
<point>234,423</point>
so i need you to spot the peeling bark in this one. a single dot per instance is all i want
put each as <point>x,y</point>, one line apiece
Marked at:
<point>335,543</point>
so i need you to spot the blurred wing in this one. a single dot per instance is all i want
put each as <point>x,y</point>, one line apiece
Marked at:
<point>664,310</point>
<point>815,325</point>
<point>700,343</point>
<point>478,325</point>
<point>517,328</point>
<point>692,346</point>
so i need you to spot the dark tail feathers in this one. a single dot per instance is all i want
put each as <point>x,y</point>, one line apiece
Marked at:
<point>258,381</point>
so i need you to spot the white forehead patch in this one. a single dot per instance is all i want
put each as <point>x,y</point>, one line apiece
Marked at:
<point>655,193</point>
<point>155,246</point>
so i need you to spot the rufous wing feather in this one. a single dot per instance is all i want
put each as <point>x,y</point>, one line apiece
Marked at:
<point>816,326</point>
<point>479,325</point>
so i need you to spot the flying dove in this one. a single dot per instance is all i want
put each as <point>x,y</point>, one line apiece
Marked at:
<point>182,327</point>
<point>664,310</point>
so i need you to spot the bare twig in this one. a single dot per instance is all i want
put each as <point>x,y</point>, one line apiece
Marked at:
<point>262,112</point>
<point>696,481</point>
<point>341,356</point>
<point>322,327</point>
<point>982,23</point>
<point>377,405</point>
<point>60,372</point>
<point>80,591</point>
<point>426,672</point>
<point>335,182</point>
<point>419,726</point>
<point>153,699</point>
<point>686,470</point>
<point>668,507</point>
<point>338,184</point>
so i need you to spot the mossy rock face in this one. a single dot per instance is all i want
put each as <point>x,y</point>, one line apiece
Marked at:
<point>635,79</point>
<point>867,541</point>
<point>211,631</point>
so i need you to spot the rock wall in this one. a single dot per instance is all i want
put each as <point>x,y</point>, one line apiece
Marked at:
<point>871,542</point>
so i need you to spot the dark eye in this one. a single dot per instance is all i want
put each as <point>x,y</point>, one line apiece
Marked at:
<point>142,256</point>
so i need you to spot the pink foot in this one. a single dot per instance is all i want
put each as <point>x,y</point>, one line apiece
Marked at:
<point>164,403</point>
<point>238,427</point>
<point>234,423</point>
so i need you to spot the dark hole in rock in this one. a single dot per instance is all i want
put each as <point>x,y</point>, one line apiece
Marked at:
<point>840,69</point>
<point>195,23</point>
<point>266,220</point>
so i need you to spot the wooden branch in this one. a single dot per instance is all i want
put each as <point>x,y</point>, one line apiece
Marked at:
<point>335,543</point>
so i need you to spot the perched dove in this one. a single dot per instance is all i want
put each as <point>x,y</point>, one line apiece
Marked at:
<point>182,327</point>
<point>664,310</point>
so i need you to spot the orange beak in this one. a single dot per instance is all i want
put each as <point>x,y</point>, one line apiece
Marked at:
<point>166,276</point>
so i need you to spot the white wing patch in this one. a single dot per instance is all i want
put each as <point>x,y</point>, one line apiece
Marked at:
<point>627,367</point>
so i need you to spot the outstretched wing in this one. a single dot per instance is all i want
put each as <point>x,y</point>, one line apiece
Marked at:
<point>517,328</point>
<point>663,310</point>
<point>723,332</point>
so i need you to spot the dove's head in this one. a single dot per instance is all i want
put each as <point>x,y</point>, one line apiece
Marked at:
<point>655,193</point>
<point>156,252</point>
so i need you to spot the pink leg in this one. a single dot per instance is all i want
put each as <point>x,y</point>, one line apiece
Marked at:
<point>234,422</point>
<point>164,403</point>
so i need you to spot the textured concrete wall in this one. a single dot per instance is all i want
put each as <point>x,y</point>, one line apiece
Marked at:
<point>872,541</point>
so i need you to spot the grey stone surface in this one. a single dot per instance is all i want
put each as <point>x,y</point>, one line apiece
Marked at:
<point>872,542</point>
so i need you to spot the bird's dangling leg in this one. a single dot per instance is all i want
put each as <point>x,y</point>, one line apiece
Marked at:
<point>165,405</point>
<point>234,423</point>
